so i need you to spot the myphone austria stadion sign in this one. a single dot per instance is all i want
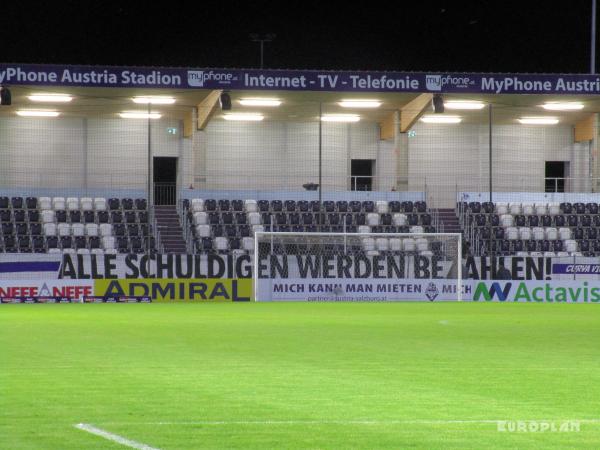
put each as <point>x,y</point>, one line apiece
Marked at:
<point>309,80</point>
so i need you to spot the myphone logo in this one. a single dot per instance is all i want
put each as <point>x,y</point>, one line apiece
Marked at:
<point>198,78</point>
<point>495,289</point>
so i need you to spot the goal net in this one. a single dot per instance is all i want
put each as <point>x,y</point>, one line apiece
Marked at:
<point>357,266</point>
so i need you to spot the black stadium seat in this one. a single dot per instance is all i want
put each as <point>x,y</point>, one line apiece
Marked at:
<point>224,205</point>
<point>114,204</point>
<point>141,204</point>
<point>19,215</point>
<point>127,204</point>
<point>33,215</point>
<point>17,202</point>
<point>533,221</point>
<point>31,202</point>
<point>237,205</point>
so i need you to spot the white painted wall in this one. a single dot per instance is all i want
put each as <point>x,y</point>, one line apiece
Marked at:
<point>280,155</point>
<point>39,152</point>
<point>450,158</point>
<point>285,155</point>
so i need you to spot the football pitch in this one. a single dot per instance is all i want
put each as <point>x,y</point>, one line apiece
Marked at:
<point>300,375</point>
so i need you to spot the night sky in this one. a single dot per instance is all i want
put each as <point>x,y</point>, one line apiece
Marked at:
<point>454,36</point>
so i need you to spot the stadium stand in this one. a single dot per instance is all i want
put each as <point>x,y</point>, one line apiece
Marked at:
<point>72,224</point>
<point>221,226</point>
<point>534,229</point>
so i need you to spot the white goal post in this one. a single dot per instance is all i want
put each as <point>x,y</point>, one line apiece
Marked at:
<point>291,266</point>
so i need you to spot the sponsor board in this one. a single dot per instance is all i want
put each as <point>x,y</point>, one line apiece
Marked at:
<point>358,290</point>
<point>159,266</point>
<point>101,299</point>
<point>76,289</point>
<point>165,290</point>
<point>181,266</point>
<point>530,291</point>
<point>555,291</point>
<point>312,80</point>
<point>4,300</point>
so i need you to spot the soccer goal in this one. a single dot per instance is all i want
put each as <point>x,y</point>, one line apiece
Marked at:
<point>292,266</point>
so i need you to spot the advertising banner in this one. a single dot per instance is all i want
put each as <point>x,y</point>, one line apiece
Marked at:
<point>356,290</point>
<point>531,291</point>
<point>75,289</point>
<point>177,289</point>
<point>296,80</point>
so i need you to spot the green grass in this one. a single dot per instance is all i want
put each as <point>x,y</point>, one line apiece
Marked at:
<point>308,375</point>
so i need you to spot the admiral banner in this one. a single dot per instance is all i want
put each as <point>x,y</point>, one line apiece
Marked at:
<point>168,290</point>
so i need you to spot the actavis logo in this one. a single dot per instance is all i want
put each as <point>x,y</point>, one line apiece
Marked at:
<point>495,289</point>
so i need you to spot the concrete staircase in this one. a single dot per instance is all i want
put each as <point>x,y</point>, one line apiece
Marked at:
<point>169,229</point>
<point>450,220</point>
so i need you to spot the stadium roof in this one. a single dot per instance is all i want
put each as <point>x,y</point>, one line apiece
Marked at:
<point>109,89</point>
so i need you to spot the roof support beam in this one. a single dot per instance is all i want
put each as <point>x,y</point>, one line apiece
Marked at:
<point>411,112</point>
<point>207,107</point>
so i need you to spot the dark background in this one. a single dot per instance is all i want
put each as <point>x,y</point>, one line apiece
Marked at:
<point>486,36</point>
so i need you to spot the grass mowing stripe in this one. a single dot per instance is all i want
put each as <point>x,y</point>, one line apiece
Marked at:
<point>113,437</point>
<point>350,422</point>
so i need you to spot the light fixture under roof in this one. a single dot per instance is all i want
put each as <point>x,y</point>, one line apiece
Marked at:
<point>340,118</point>
<point>260,102</point>
<point>50,98</point>
<point>253,117</point>
<point>562,106</point>
<point>538,120</point>
<point>463,104</point>
<point>154,100</point>
<point>360,103</point>
<point>37,113</point>
<point>139,115</point>
<point>441,119</point>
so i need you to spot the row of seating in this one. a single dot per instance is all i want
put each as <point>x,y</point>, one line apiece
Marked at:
<point>342,206</point>
<point>368,244</point>
<point>92,229</point>
<point>586,247</point>
<point>42,244</point>
<point>539,234</point>
<point>73,203</point>
<point>549,254</point>
<point>530,208</point>
<point>255,218</point>
<point>246,230</point>
<point>61,216</point>
<point>560,220</point>
<point>505,245</point>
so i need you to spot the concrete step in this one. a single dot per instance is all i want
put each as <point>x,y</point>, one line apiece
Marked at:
<point>169,229</point>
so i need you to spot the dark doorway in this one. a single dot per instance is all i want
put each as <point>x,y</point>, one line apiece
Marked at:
<point>555,176</point>
<point>361,174</point>
<point>165,180</point>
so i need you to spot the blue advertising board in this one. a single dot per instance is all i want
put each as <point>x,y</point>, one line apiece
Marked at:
<point>308,80</point>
